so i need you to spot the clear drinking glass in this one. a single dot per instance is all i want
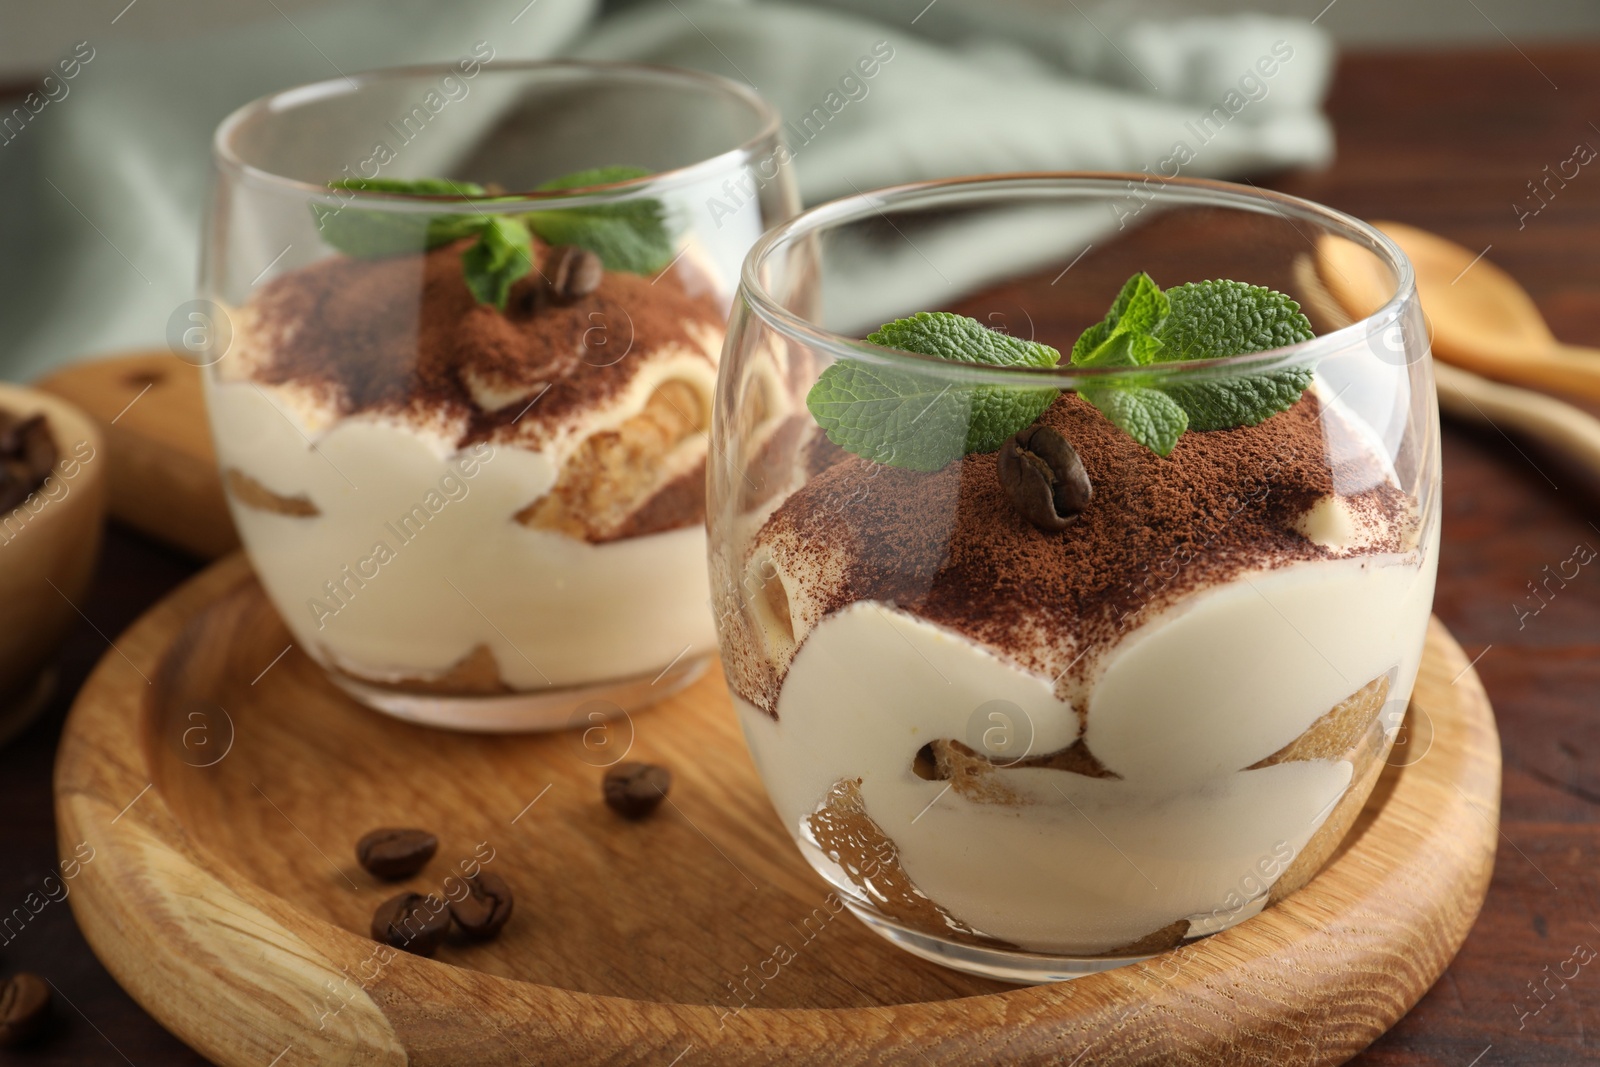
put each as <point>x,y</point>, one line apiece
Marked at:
<point>1029,754</point>
<point>482,509</point>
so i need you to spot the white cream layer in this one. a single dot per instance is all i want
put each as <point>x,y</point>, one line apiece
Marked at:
<point>1198,692</point>
<point>461,572</point>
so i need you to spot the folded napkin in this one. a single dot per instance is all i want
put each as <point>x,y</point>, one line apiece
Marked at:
<point>107,185</point>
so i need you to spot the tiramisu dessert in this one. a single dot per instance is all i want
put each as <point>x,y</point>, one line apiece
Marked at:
<point>474,466</point>
<point>1079,674</point>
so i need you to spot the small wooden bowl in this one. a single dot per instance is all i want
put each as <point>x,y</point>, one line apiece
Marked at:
<point>48,547</point>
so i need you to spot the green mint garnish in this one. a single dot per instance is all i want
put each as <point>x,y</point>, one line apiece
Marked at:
<point>904,418</point>
<point>907,418</point>
<point>367,234</point>
<point>631,235</point>
<point>1200,320</point>
<point>502,253</point>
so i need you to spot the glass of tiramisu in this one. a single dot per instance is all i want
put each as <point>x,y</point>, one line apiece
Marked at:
<point>1071,569</point>
<point>459,329</point>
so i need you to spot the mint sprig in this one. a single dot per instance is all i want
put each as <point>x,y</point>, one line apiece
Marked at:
<point>631,235</point>
<point>502,253</point>
<point>1199,320</point>
<point>906,418</point>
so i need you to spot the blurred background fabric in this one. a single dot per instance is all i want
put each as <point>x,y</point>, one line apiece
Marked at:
<point>105,186</point>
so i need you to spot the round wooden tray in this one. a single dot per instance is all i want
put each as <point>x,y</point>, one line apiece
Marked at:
<point>222,781</point>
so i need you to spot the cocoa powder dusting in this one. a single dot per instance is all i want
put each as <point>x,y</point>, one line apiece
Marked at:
<point>399,334</point>
<point>948,546</point>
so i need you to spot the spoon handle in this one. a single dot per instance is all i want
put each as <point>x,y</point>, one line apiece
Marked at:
<point>1565,369</point>
<point>1571,431</point>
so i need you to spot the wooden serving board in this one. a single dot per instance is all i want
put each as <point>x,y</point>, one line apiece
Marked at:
<point>163,476</point>
<point>223,893</point>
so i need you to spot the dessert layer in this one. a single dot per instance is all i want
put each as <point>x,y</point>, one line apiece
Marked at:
<point>438,495</point>
<point>414,557</point>
<point>403,337</point>
<point>948,547</point>
<point>1115,735</point>
<point>1191,720</point>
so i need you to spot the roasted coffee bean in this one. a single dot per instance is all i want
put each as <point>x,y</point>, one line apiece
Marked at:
<point>393,853</point>
<point>634,790</point>
<point>574,272</point>
<point>412,922</point>
<point>37,448</point>
<point>484,911</point>
<point>24,1008</point>
<point>1043,478</point>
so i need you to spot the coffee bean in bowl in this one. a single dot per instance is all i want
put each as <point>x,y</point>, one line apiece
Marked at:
<point>411,922</point>
<point>24,1008</point>
<point>486,908</point>
<point>634,790</point>
<point>393,853</point>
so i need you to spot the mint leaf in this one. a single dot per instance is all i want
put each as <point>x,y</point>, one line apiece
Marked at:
<point>904,418</point>
<point>1147,415</point>
<point>1210,320</point>
<point>412,186</point>
<point>631,235</point>
<point>1242,400</point>
<point>502,254</point>
<point>1213,319</point>
<point>1199,320</point>
<point>367,234</point>
<point>1138,309</point>
<point>891,416</point>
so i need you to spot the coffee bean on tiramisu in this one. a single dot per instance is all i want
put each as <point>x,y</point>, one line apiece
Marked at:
<point>24,1008</point>
<point>392,853</point>
<point>1043,477</point>
<point>411,922</point>
<point>633,790</point>
<point>574,273</point>
<point>486,908</point>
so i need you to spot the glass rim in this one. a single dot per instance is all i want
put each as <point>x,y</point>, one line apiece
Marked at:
<point>223,153</point>
<point>835,213</point>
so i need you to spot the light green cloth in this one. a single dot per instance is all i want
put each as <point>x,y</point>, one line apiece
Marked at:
<point>105,189</point>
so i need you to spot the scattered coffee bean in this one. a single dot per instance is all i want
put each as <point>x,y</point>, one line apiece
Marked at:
<point>574,272</point>
<point>393,853</point>
<point>486,907</point>
<point>1043,477</point>
<point>27,455</point>
<point>634,790</point>
<point>24,1008</point>
<point>411,922</point>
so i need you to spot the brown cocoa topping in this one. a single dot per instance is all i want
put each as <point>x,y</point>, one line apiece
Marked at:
<point>947,546</point>
<point>396,335</point>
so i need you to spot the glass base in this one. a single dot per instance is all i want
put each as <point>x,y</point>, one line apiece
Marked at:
<point>541,710</point>
<point>1023,968</point>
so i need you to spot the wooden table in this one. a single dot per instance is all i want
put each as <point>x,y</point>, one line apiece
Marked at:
<point>1447,142</point>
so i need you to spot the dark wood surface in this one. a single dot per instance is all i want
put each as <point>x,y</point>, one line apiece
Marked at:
<point>1447,142</point>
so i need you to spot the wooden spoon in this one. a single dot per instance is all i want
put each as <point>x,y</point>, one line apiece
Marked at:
<point>1466,396</point>
<point>1483,321</point>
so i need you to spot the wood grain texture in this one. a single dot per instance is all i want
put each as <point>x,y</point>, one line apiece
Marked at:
<point>225,897</point>
<point>163,479</point>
